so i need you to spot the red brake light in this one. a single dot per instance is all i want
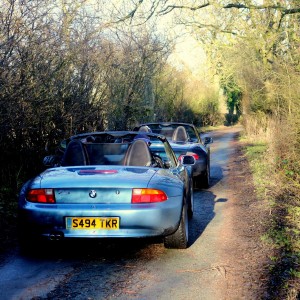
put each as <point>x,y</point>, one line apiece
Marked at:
<point>92,172</point>
<point>41,196</point>
<point>148,196</point>
<point>195,155</point>
<point>180,157</point>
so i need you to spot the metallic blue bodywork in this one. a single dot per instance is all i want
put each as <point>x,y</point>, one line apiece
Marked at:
<point>112,185</point>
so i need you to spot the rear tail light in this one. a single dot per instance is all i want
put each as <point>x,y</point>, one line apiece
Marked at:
<point>148,196</point>
<point>41,196</point>
<point>195,155</point>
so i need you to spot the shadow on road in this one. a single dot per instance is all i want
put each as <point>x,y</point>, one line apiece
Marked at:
<point>89,249</point>
<point>204,205</point>
<point>204,212</point>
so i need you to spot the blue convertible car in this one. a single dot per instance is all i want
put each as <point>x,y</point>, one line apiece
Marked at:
<point>110,185</point>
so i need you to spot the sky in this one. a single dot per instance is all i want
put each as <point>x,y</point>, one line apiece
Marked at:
<point>189,53</point>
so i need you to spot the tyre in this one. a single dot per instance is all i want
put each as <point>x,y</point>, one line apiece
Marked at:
<point>179,239</point>
<point>203,181</point>
<point>206,178</point>
<point>197,182</point>
<point>191,201</point>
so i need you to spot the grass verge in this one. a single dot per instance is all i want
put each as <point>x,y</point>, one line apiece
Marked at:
<point>277,184</point>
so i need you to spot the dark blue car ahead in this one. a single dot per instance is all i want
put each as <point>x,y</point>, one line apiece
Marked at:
<point>185,140</point>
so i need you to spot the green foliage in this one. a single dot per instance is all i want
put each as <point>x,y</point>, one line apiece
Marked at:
<point>281,188</point>
<point>255,153</point>
<point>231,119</point>
<point>181,97</point>
<point>210,112</point>
<point>233,95</point>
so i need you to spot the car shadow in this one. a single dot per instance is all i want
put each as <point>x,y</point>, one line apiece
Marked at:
<point>204,212</point>
<point>88,249</point>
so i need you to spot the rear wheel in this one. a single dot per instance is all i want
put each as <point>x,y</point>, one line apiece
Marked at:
<point>206,178</point>
<point>179,239</point>
<point>191,201</point>
<point>203,181</point>
<point>197,182</point>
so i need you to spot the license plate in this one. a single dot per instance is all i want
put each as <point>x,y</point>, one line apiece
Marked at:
<point>112,223</point>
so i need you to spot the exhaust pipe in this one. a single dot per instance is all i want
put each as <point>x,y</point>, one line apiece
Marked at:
<point>56,236</point>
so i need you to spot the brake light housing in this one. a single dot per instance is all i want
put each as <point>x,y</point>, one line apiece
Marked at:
<point>148,196</point>
<point>93,172</point>
<point>41,196</point>
<point>195,155</point>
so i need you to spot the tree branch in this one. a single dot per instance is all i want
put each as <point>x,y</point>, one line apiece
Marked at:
<point>169,8</point>
<point>214,27</point>
<point>132,13</point>
<point>285,11</point>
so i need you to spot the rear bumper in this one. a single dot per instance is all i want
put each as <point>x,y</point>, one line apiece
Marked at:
<point>142,220</point>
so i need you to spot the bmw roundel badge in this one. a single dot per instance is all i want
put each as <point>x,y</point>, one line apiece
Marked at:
<point>93,194</point>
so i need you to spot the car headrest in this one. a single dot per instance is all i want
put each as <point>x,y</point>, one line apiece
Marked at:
<point>75,154</point>
<point>180,134</point>
<point>138,154</point>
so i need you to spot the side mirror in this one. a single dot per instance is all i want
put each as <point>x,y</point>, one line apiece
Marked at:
<point>50,161</point>
<point>187,160</point>
<point>208,140</point>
